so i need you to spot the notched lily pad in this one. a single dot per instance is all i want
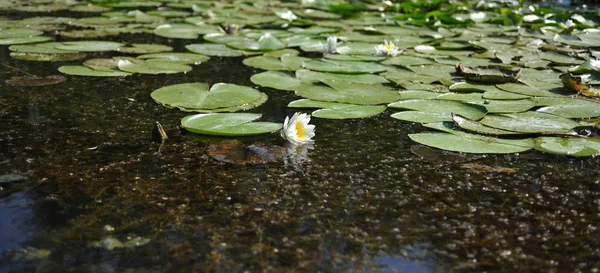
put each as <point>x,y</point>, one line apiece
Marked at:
<point>488,74</point>
<point>235,152</point>
<point>229,124</point>
<point>35,80</point>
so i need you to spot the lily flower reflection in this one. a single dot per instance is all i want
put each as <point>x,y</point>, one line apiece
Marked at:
<point>297,131</point>
<point>388,48</point>
<point>297,156</point>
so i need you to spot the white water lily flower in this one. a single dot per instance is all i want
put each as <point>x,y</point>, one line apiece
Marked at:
<point>331,46</point>
<point>388,48</point>
<point>296,130</point>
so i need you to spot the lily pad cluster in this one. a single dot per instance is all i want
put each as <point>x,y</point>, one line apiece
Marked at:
<point>507,84</point>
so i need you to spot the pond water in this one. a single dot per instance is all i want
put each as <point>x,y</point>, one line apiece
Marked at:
<point>99,198</point>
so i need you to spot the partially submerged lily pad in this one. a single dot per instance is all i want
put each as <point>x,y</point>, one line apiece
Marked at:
<point>488,74</point>
<point>235,152</point>
<point>36,80</point>
<point>569,146</point>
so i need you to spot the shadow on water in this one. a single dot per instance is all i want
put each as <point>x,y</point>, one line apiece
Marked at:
<point>363,200</point>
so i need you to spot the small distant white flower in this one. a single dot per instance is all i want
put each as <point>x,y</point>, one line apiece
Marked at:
<point>388,48</point>
<point>569,23</point>
<point>331,46</point>
<point>296,130</point>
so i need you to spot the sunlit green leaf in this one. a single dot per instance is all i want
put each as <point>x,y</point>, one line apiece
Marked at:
<point>231,124</point>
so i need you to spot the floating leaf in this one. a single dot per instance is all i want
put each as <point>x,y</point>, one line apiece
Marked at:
<point>569,146</point>
<point>144,48</point>
<point>276,79</point>
<point>439,108</point>
<point>214,50</point>
<point>183,58</point>
<point>477,127</point>
<point>24,40</point>
<point>568,107</point>
<point>344,67</point>
<point>488,74</point>
<point>154,67</point>
<point>525,90</point>
<point>267,42</point>
<point>89,46</point>
<point>313,76</point>
<point>530,122</point>
<point>348,92</point>
<point>42,57</point>
<point>198,97</point>
<point>574,84</point>
<point>470,143</point>
<point>80,70</point>
<point>230,124</point>
<point>235,152</point>
<point>333,110</point>
<point>35,80</point>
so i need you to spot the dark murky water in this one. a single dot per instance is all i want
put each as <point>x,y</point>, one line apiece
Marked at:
<point>360,201</point>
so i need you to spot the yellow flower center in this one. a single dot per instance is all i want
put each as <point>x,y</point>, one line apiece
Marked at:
<point>301,132</point>
<point>389,47</point>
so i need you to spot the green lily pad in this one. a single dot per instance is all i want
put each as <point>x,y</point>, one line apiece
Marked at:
<point>525,90</point>
<point>477,127</point>
<point>46,48</point>
<point>568,107</point>
<point>568,146</point>
<point>182,58</point>
<point>313,76</point>
<point>218,50</point>
<point>42,57</point>
<point>507,106</point>
<point>276,79</point>
<point>198,97</point>
<point>80,70</point>
<point>334,110</point>
<point>344,67</point>
<point>530,122</point>
<point>348,92</point>
<point>144,48</point>
<point>267,42</point>
<point>89,46</point>
<point>441,109</point>
<point>407,61</point>
<point>24,40</point>
<point>230,124</point>
<point>471,143</point>
<point>19,33</point>
<point>154,67</point>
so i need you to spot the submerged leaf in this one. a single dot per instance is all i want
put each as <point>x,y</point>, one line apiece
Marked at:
<point>235,152</point>
<point>36,80</point>
<point>488,74</point>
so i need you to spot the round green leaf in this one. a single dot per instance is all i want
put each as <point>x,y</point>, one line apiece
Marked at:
<point>469,143</point>
<point>443,109</point>
<point>568,107</point>
<point>80,70</point>
<point>144,48</point>
<point>214,50</point>
<point>313,76</point>
<point>276,79</point>
<point>530,122</point>
<point>182,58</point>
<point>568,146</point>
<point>348,92</point>
<point>192,96</point>
<point>89,46</point>
<point>333,110</point>
<point>24,40</point>
<point>344,67</point>
<point>231,124</point>
<point>154,67</point>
